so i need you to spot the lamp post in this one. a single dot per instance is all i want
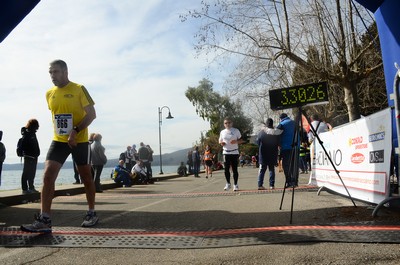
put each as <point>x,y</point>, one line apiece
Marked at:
<point>159,130</point>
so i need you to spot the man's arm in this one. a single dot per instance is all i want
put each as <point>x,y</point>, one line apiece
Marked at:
<point>89,117</point>
<point>83,124</point>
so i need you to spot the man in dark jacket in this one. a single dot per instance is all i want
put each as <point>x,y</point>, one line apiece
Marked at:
<point>268,141</point>
<point>145,156</point>
<point>31,151</point>
<point>2,154</point>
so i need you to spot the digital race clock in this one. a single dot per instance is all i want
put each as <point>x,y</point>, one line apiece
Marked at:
<point>297,96</point>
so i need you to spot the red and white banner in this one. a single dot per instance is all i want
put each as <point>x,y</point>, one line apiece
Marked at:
<point>361,152</point>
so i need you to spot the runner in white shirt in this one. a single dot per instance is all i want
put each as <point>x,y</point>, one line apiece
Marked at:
<point>230,138</point>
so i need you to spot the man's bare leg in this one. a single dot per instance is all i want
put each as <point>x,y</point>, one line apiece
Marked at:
<point>52,168</point>
<point>90,189</point>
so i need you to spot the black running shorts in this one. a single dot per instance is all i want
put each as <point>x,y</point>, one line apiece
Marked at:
<point>59,152</point>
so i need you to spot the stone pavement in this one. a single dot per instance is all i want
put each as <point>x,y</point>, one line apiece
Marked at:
<point>195,213</point>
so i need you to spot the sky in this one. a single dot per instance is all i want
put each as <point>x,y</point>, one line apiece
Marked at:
<point>133,57</point>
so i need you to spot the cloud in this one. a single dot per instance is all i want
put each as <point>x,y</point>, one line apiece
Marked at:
<point>133,57</point>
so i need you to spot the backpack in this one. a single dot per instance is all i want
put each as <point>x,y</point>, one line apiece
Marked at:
<point>20,150</point>
<point>20,143</point>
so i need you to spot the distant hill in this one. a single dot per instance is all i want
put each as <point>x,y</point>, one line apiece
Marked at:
<point>174,158</point>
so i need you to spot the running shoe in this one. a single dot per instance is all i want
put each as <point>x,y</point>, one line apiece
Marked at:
<point>235,187</point>
<point>91,219</point>
<point>227,186</point>
<point>40,225</point>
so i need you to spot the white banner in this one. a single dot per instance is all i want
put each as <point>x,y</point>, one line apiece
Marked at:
<point>361,152</point>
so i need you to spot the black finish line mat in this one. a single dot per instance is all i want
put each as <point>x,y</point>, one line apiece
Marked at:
<point>112,238</point>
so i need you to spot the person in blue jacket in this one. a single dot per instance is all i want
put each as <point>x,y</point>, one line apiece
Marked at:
<point>122,175</point>
<point>288,126</point>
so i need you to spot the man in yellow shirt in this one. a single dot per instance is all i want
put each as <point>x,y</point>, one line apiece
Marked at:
<point>72,111</point>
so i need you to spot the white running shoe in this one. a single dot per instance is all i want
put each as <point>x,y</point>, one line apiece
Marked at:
<point>235,187</point>
<point>227,186</point>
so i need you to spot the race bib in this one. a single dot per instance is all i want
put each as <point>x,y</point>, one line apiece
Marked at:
<point>63,124</point>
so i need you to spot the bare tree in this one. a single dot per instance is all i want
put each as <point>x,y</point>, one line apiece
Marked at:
<point>268,40</point>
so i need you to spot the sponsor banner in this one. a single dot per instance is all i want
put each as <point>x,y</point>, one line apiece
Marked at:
<point>361,153</point>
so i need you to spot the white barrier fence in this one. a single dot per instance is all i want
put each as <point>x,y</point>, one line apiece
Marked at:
<point>361,152</point>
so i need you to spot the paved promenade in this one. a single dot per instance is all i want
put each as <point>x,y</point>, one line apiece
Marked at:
<point>191,220</point>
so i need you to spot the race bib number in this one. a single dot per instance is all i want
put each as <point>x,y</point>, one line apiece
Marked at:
<point>63,124</point>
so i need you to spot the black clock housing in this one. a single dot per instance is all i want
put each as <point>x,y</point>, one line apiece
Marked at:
<point>298,96</point>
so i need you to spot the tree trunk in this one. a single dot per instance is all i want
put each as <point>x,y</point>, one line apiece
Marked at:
<point>351,100</point>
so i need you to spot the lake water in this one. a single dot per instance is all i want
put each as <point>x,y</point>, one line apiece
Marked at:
<point>11,179</point>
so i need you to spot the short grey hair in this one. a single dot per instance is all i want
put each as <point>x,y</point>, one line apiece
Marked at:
<point>61,63</point>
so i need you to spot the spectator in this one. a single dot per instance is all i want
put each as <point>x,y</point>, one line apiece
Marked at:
<point>182,170</point>
<point>303,158</point>
<point>144,156</point>
<point>76,173</point>
<point>287,125</point>
<point>134,154</point>
<point>148,168</point>
<point>190,161</point>
<point>139,174</point>
<point>242,159</point>
<point>122,175</point>
<point>129,158</point>
<point>268,141</point>
<point>196,161</point>
<point>2,154</point>
<point>99,159</point>
<point>319,127</point>
<point>31,152</point>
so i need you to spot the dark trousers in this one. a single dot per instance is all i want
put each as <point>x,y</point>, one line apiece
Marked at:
<point>149,171</point>
<point>288,164</point>
<point>124,179</point>
<point>261,174</point>
<point>97,174</point>
<point>28,173</point>
<point>196,167</point>
<point>286,160</point>
<point>231,161</point>
<point>1,169</point>
<point>303,163</point>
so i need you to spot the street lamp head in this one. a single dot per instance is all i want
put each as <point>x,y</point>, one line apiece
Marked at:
<point>169,115</point>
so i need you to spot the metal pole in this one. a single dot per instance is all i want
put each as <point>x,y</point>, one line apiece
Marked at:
<point>159,137</point>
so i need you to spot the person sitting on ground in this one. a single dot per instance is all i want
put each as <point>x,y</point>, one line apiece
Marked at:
<point>139,173</point>
<point>182,170</point>
<point>122,175</point>
<point>242,159</point>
